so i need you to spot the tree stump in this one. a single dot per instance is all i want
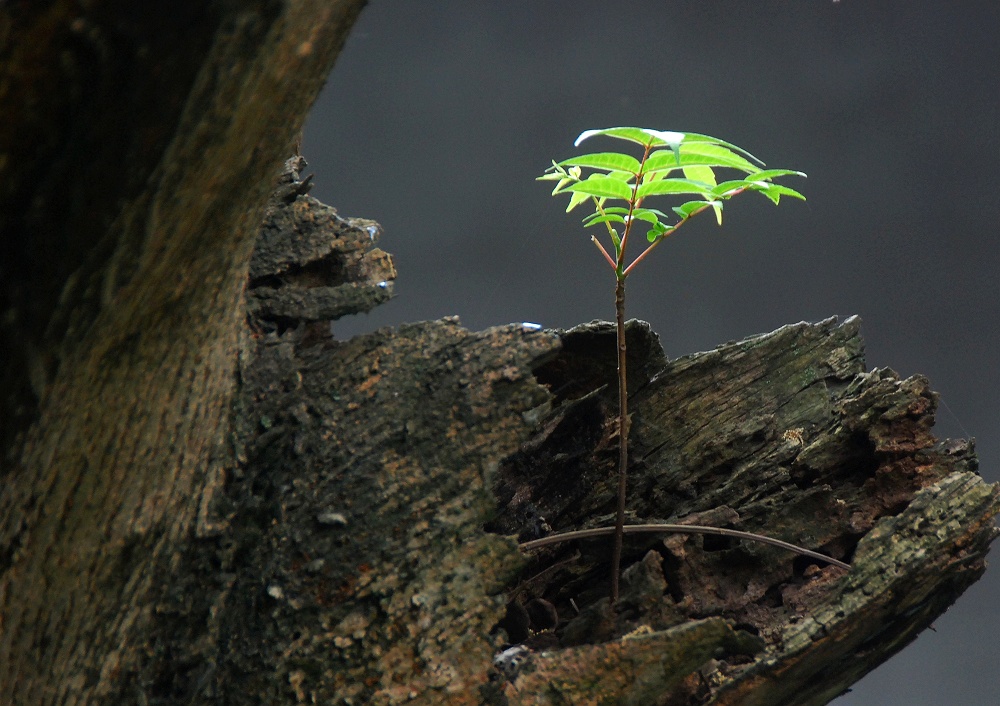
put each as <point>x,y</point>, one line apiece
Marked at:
<point>363,545</point>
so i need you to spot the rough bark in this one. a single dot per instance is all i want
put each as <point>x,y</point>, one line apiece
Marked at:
<point>364,549</point>
<point>138,146</point>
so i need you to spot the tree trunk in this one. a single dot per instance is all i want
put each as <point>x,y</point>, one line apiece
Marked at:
<point>138,147</point>
<point>207,499</point>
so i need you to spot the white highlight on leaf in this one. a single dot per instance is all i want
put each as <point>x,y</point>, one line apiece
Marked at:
<point>671,138</point>
<point>584,135</point>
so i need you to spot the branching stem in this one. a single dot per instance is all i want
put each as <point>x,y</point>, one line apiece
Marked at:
<point>619,169</point>
<point>604,252</point>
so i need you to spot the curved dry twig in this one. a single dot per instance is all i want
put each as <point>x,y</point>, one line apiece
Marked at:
<point>680,529</point>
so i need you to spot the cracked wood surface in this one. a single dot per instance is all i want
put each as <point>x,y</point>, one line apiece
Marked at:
<point>398,468</point>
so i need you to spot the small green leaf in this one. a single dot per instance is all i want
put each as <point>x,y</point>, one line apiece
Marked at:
<point>769,174</point>
<point>660,231</point>
<point>597,218</point>
<point>700,173</point>
<point>686,210</point>
<point>602,185</point>
<point>575,200</point>
<point>722,191</point>
<point>672,186</point>
<point>604,160</point>
<point>645,215</point>
<point>775,191</point>
<point>651,211</point>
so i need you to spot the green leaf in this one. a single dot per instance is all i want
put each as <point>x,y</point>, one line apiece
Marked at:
<point>694,137</point>
<point>769,174</point>
<point>700,173</point>
<point>560,174</point>
<point>603,186</point>
<point>597,219</point>
<point>641,214</point>
<point>652,211</point>
<point>775,191</point>
<point>672,186</point>
<point>686,210</point>
<point>575,200</point>
<point>660,231</point>
<point>639,135</point>
<point>698,154</point>
<point>604,160</point>
<point>752,183</point>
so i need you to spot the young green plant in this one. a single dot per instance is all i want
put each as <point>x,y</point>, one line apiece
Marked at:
<point>617,185</point>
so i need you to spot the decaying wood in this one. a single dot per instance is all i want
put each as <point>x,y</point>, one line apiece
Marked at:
<point>368,534</point>
<point>345,529</point>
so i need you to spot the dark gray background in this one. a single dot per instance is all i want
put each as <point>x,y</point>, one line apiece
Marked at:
<point>439,115</point>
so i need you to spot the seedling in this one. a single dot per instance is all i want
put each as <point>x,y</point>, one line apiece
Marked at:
<point>618,185</point>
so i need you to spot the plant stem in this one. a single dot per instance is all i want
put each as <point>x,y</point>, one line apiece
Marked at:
<point>616,552</point>
<point>604,252</point>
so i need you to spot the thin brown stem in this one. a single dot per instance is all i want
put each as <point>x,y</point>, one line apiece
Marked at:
<point>632,204</point>
<point>604,252</point>
<point>616,553</point>
<point>679,529</point>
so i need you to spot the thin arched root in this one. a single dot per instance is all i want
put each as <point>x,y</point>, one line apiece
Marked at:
<point>680,529</point>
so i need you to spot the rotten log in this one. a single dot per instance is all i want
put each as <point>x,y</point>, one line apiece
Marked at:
<point>364,546</point>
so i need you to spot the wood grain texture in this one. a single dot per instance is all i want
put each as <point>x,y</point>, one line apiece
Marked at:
<point>137,151</point>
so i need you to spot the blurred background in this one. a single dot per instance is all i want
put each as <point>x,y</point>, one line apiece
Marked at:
<point>438,117</point>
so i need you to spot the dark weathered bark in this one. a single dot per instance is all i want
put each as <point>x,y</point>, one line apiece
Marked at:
<point>138,145</point>
<point>785,435</point>
<point>344,528</point>
<point>366,534</point>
